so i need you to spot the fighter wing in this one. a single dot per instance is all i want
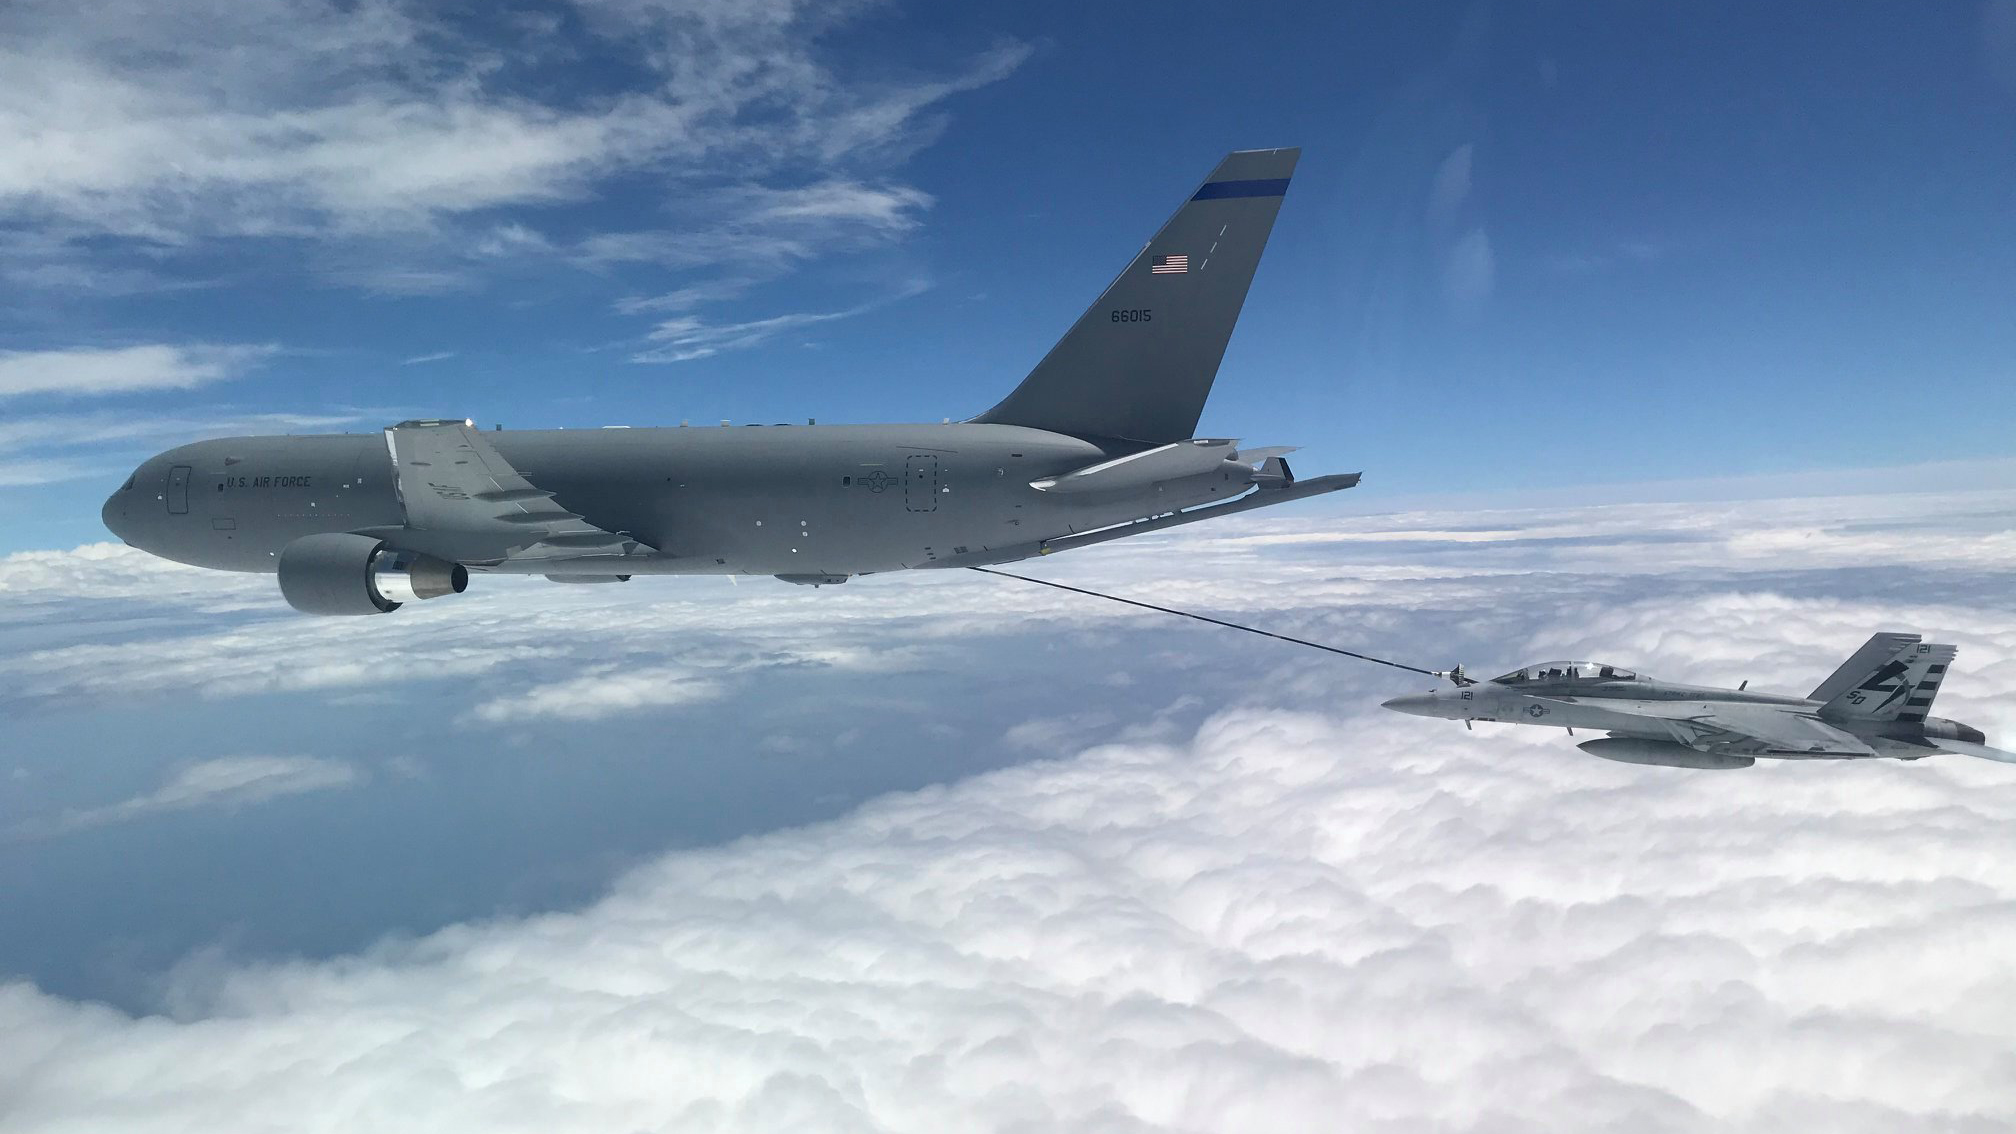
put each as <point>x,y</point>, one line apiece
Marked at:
<point>465,502</point>
<point>1753,730</point>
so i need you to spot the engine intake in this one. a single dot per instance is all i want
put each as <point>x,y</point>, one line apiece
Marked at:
<point>340,573</point>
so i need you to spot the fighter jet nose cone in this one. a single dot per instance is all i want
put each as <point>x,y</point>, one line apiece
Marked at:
<point>1413,704</point>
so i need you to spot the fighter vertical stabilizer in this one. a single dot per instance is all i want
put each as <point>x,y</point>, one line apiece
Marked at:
<point>1899,688</point>
<point>1875,652</point>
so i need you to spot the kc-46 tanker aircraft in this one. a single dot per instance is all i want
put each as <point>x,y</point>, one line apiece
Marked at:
<point>1875,704</point>
<point>1097,443</point>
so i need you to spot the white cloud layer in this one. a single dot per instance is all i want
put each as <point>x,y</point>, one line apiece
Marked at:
<point>604,692</point>
<point>1292,922</point>
<point>1307,914</point>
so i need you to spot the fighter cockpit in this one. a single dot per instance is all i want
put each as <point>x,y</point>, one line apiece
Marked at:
<point>1557,672</point>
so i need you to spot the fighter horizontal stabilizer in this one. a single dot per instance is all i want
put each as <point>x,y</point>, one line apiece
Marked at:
<point>1981,750</point>
<point>1141,470</point>
<point>465,503</point>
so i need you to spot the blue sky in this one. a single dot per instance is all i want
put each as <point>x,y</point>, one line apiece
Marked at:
<point>1528,247</point>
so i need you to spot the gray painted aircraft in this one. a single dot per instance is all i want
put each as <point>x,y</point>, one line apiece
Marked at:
<point>1097,443</point>
<point>1875,704</point>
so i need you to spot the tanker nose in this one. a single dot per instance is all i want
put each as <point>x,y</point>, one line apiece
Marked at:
<point>114,514</point>
<point>121,514</point>
<point>1415,705</point>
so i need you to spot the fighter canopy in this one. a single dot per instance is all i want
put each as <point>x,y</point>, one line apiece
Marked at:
<point>1556,672</point>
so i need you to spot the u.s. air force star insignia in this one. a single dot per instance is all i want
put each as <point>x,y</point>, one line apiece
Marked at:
<point>878,480</point>
<point>1536,711</point>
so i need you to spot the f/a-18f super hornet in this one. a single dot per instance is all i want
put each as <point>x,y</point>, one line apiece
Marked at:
<point>1097,443</point>
<point>1876,704</point>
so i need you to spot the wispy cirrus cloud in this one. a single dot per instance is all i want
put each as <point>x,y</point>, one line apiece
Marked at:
<point>107,426</point>
<point>227,781</point>
<point>155,129</point>
<point>85,372</point>
<point>885,207</point>
<point>686,298</point>
<point>45,470</point>
<point>689,337</point>
<point>1472,269</point>
<point>51,448</point>
<point>1469,267</point>
<point>754,235</point>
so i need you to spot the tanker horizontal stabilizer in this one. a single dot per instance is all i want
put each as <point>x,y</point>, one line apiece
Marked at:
<point>1145,469</point>
<point>1255,457</point>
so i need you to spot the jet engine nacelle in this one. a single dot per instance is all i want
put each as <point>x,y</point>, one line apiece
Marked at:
<point>1666,753</point>
<point>342,573</point>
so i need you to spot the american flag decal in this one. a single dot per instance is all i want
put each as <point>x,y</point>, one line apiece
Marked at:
<point>1168,265</point>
